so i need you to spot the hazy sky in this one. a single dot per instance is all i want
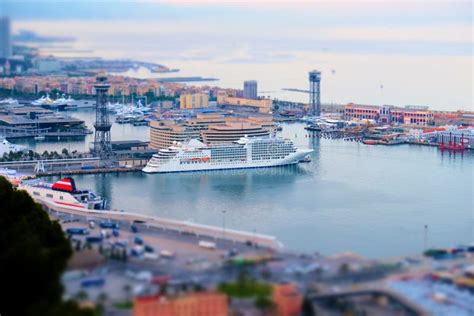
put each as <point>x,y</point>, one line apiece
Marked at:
<point>421,51</point>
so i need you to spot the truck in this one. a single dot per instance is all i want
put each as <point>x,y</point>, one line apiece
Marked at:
<point>94,239</point>
<point>109,225</point>
<point>77,231</point>
<point>93,282</point>
<point>207,244</point>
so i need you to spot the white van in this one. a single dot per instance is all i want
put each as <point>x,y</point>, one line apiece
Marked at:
<point>207,244</point>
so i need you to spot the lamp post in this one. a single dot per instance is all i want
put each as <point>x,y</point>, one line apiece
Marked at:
<point>255,237</point>
<point>223,224</point>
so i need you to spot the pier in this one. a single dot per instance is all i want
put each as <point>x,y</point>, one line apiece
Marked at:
<point>183,227</point>
<point>54,166</point>
<point>15,132</point>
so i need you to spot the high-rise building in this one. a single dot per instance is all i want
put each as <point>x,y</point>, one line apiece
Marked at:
<point>250,89</point>
<point>5,38</point>
<point>193,101</point>
<point>314,92</point>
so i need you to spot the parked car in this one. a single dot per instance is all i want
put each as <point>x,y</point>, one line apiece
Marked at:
<point>167,254</point>
<point>151,256</point>
<point>207,244</point>
<point>138,240</point>
<point>149,248</point>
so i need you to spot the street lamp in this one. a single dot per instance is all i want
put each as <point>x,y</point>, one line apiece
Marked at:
<point>223,224</point>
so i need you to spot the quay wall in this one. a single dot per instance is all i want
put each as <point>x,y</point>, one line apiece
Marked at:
<point>186,227</point>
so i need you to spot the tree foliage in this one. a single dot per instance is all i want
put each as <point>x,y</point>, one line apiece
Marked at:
<point>33,255</point>
<point>245,287</point>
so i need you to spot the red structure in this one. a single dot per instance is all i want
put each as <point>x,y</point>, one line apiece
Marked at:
<point>451,145</point>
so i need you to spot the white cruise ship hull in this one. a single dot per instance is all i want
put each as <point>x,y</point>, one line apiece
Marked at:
<point>175,166</point>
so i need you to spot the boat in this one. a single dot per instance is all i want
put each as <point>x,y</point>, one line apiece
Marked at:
<point>257,152</point>
<point>40,137</point>
<point>62,193</point>
<point>370,142</point>
<point>7,147</point>
<point>306,159</point>
<point>313,127</point>
<point>60,103</point>
<point>9,101</point>
<point>452,145</point>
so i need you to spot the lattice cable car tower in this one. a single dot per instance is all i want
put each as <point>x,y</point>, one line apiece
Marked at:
<point>102,139</point>
<point>314,92</point>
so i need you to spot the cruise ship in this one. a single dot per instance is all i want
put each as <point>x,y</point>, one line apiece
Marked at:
<point>243,153</point>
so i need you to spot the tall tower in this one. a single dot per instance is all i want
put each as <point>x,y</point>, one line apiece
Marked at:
<point>250,89</point>
<point>5,38</point>
<point>314,92</point>
<point>102,142</point>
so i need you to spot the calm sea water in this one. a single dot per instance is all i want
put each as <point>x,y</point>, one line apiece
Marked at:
<point>373,200</point>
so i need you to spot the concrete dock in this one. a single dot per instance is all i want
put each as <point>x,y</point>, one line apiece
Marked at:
<point>183,227</point>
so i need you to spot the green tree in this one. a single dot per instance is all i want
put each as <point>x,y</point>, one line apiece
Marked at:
<point>33,255</point>
<point>263,303</point>
<point>344,268</point>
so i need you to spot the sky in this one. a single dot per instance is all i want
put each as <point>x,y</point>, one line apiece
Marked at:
<point>419,51</point>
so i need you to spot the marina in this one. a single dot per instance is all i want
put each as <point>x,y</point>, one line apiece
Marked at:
<point>272,201</point>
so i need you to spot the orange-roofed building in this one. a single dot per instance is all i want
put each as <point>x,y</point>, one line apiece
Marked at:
<point>287,299</point>
<point>195,304</point>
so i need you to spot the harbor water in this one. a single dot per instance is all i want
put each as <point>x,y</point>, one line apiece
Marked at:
<point>371,200</point>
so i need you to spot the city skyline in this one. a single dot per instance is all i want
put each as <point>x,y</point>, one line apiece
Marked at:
<point>358,48</point>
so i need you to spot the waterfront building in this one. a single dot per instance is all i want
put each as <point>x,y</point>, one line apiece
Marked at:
<point>210,128</point>
<point>203,120</point>
<point>262,105</point>
<point>231,131</point>
<point>361,112</point>
<point>446,134</point>
<point>46,65</point>
<point>163,134</point>
<point>194,101</point>
<point>5,38</point>
<point>53,122</point>
<point>250,89</point>
<point>411,116</point>
<point>195,304</point>
<point>389,114</point>
<point>287,299</point>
